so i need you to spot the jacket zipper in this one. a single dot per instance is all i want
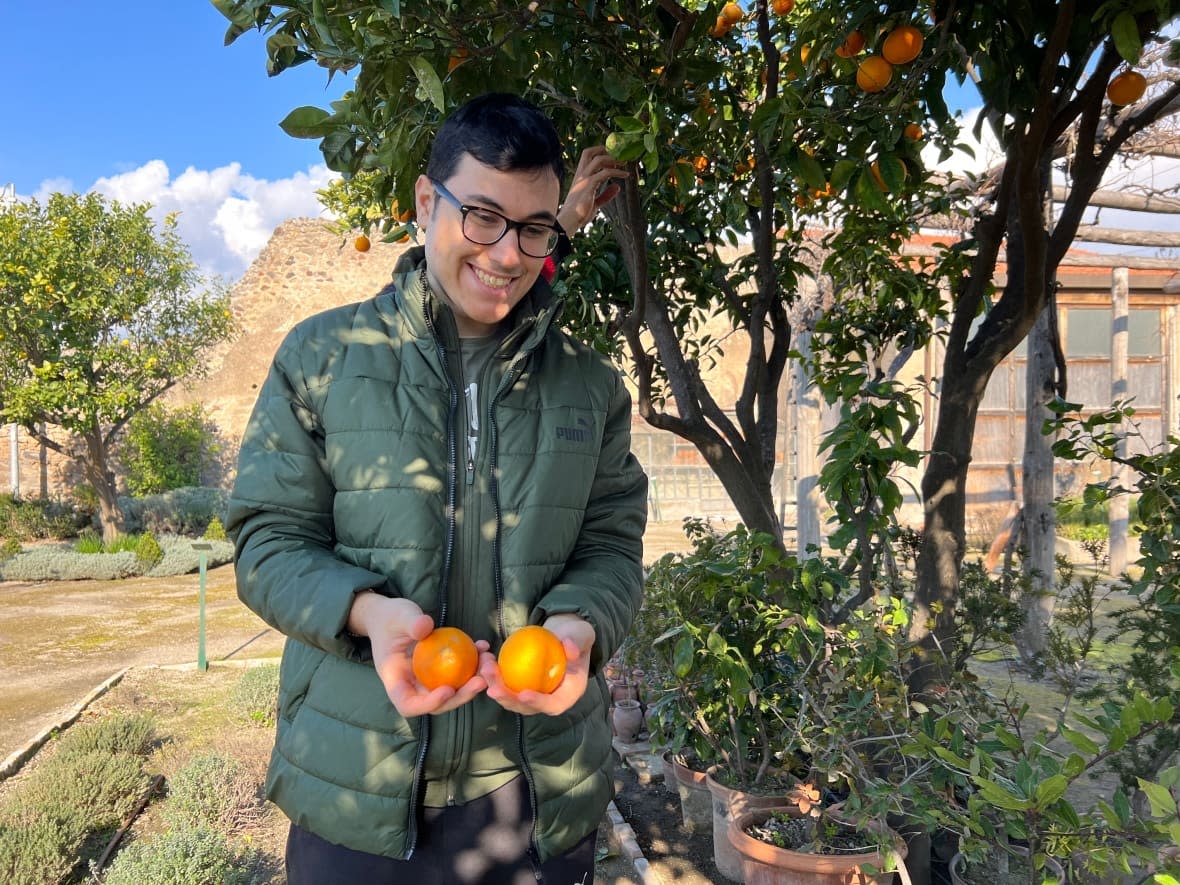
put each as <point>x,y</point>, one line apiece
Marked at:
<point>494,450</point>
<point>452,473</point>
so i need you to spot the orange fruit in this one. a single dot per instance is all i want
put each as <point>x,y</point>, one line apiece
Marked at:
<point>875,169</point>
<point>446,657</point>
<point>460,55</point>
<point>532,658</point>
<point>902,45</point>
<point>914,132</point>
<point>783,7</point>
<point>1127,88</point>
<point>732,13</point>
<point>701,164</point>
<point>720,27</point>
<point>362,243</point>
<point>852,45</point>
<point>873,74</point>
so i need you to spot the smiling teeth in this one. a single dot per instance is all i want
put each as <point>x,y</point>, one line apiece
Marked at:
<point>494,282</point>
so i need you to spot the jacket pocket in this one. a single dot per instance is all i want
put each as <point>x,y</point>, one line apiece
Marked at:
<point>299,665</point>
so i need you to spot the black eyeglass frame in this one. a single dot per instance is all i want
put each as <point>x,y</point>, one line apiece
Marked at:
<point>509,224</point>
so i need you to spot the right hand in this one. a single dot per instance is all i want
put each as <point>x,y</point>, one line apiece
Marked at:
<point>393,627</point>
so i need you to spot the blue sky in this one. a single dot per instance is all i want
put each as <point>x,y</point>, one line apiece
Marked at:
<point>104,91</point>
<point>141,100</point>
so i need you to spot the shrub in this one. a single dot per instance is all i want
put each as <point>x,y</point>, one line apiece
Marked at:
<point>164,448</point>
<point>182,857</point>
<point>39,850</point>
<point>215,531</point>
<point>147,550</point>
<point>212,789</point>
<point>38,519</point>
<point>187,511</point>
<point>131,733</point>
<point>62,563</point>
<point>101,786</point>
<point>9,548</point>
<point>256,695</point>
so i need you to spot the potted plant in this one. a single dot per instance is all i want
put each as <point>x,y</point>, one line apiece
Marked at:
<point>775,700</point>
<point>785,846</point>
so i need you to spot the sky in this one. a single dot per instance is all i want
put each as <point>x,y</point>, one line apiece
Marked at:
<point>147,104</point>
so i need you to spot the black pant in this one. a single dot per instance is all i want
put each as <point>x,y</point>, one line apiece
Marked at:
<point>485,842</point>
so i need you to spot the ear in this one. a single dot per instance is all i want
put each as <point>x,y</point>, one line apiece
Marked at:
<point>424,201</point>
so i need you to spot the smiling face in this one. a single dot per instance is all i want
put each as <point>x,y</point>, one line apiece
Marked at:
<point>483,283</point>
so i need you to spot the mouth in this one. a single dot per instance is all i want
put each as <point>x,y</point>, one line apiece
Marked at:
<point>492,281</point>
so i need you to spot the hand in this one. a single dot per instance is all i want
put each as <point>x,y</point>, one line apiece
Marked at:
<point>596,168</point>
<point>577,637</point>
<point>393,627</point>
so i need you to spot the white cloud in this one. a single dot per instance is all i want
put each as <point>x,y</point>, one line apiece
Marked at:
<point>225,217</point>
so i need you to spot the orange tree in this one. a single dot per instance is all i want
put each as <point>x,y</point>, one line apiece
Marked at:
<point>742,136</point>
<point>773,132</point>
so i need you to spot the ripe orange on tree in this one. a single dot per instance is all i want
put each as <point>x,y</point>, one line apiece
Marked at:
<point>446,657</point>
<point>875,169</point>
<point>914,132</point>
<point>361,243</point>
<point>1127,88</point>
<point>902,45</point>
<point>459,56</point>
<point>532,658</point>
<point>732,13</point>
<point>720,28</point>
<point>782,7</point>
<point>873,74</point>
<point>852,45</point>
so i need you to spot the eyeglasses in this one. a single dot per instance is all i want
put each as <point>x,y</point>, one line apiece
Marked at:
<point>485,227</point>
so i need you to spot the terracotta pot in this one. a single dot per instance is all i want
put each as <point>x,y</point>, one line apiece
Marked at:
<point>727,803</point>
<point>627,719</point>
<point>766,864</point>
<point>985,872</point>
<point>696,806</point>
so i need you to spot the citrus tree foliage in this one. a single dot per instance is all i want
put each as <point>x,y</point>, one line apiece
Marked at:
<point>100,314</point>
<point>165,449</point>
<point>763,124</point>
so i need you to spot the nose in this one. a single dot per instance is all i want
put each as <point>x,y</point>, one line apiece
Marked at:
<point>506,251</point>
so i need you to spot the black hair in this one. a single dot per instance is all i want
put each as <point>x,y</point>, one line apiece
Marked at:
<point>500,130</point>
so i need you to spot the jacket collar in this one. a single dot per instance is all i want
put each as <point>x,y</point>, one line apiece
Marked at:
<point>526,325</point>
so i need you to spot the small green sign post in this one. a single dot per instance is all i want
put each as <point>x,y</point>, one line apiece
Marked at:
<point>202,548</point>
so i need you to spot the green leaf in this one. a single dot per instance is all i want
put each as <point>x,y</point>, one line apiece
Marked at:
<point>999,797</point>
<point>1122,807</point>
<point>1125,33</point>
<point>1079,740</point>
<point>1162,803</point>
<point>429,83</point>
<point>1050,790</point>
<point>307,122</point>
<point>682,657</point>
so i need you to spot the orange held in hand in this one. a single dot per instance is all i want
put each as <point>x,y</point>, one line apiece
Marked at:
<point>532,658</point>
<point>446,657</point>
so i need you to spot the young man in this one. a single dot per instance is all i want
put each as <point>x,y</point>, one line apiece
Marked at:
<point>443,454</point>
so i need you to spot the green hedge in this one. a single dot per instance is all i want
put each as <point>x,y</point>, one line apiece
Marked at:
<point>62,562</point>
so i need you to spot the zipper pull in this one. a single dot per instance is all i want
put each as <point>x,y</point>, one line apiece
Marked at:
<point>472,393</point>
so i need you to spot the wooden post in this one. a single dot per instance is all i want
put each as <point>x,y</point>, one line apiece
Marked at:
<point>1119,390</point>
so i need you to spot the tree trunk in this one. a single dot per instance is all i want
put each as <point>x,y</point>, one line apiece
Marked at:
<point>103,481</point>
<point>944,496</point>
<point>1040,523</point>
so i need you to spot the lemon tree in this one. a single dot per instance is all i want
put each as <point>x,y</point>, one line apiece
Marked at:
<point>101,312</point>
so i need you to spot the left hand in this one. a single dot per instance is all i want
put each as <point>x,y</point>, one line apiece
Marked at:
<point>596,168</point>
<point>577,637</point>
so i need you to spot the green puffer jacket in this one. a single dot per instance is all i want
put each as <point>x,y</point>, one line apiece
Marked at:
<point>347,480</point>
